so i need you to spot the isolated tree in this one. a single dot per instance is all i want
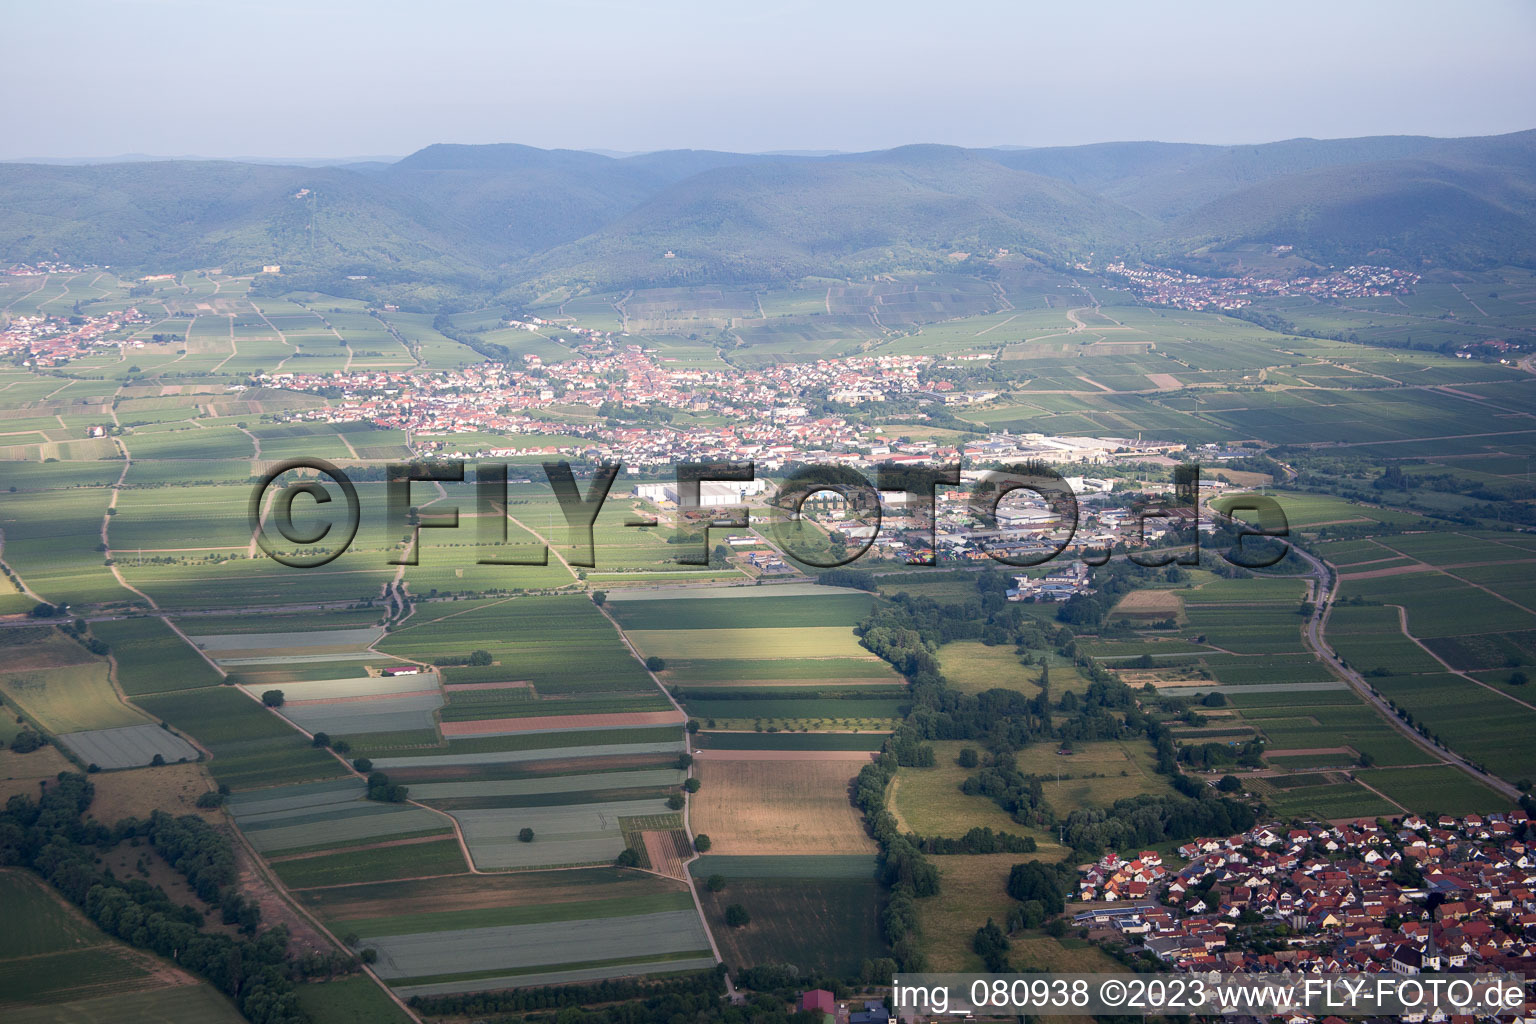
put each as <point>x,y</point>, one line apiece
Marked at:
<point>702,843</point>
<point>991,945</point>
<point>736,916</point>
<point>27,740</point>
<point>363,764</point>
<point>1229,784</point>
<point>272,698</point>
<point>627,858</point>
<point>691,785</point>
<point>598,597</point>
<point>525,835</point>
<point>1033,881</point>
<point>675,802</point>
<point>655,664</point>
<point>968,758</point>
<point>715,883</point>
<point>684,760</point>
<point>693,725</point>
<point>322,739</point>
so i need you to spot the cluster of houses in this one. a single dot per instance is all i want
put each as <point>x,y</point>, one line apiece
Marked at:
<point>819,1000</point>
<point>53,340</point>
<point>1113,877</point>
<point>767,419</point>
<point>1181,290</point>
<point>1418,896</point>
<point>766,413</point>
<point>1506,352</point>
<point>43,268</point>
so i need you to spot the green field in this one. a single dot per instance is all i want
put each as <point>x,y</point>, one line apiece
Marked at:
<point>251,746</point>
<point>200,1003</point>
<point>492,917</point>
<point>1334,800</point>
<point>1437,789</point>
<point>59,968</point>
<point>972,667</point>
<point>789,741</point>
<point>756,613</point>
<point>749,643</point>
<point>50,928</point>
<point>789,671</point>
<point>441,857</point>
<point>355,1000</point>
<point>71,699</point>
<point>559,644</point>
<point>151,658</point>
<point>818,925</point>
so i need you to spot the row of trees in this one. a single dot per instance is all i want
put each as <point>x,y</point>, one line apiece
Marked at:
<point>50,836</point>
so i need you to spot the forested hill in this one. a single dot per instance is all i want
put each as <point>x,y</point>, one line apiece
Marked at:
<point>507,215</point>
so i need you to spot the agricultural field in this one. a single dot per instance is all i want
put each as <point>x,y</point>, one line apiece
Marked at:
<point>1330,720</point>
<point>749,806</point>
<point>829,925</point>
<point>257,648</point>
<point>60,967</point>
<point>848,743</point>
<point>749,643</point>
<point>128,746</point>
<point>359,705</point>
<point>423,857</point>
<point>1484,725</point>
<point>323,815</point>
<point>490,752</point>
<point>720,672</point>
<point>758,612</point>
<point>251,747</point>
<point>536,790</point>
<point>852,712</point>
<point>151,658</point>
<point>467,933</point>
<point>76,698</point>
<point>353,1000</point>
<point>765,659</point>
<point>565,835</point>
<point>1330,801</point>
<point>559,645</point>
<point>1432,789</point>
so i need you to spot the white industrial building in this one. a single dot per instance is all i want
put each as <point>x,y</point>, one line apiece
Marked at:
<point>712,493</point>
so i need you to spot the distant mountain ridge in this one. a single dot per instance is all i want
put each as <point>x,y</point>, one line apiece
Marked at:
<point>511,216</point>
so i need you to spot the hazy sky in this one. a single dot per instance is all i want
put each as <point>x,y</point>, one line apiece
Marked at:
<point>329,78</point>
